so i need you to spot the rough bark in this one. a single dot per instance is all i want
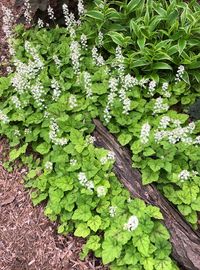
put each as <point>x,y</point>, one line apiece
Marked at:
<point>185,241</point>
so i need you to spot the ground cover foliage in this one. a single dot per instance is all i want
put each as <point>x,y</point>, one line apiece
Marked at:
<point>135,65</point>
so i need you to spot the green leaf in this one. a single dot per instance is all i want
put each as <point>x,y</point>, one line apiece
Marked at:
<point>148,152</point>
<point>181,45</point>
<point>4,84</point>
<point>141,42</point>
<point>159,232</point>
<point>15,153</point>
<point>43,148</point>
<point>124,139</point>
<point>94,223</point>
<point>165,264</point>
<point>41,197</point>
<point>93,242</point>
<point>148,263</point>
<point>132,5</point>
<point>82,213</point>
<point>95,14</point>
<point>117,38</point>
<point>161,65</point>
<point>136,147</point>
<point>148,176</point>
<point>99,88</point>
<point>154,212</point>
<point>82,230</point>
<point>143,244</point>
<point>111,250</point>
<point>155,164</point>
<point>64,183</point>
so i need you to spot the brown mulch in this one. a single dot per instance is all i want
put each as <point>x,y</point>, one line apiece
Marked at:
<point>28,240</point>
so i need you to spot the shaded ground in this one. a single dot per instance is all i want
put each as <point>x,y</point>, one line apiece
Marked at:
<point>28,240</point>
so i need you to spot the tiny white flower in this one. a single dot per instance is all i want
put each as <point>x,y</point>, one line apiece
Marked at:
<point>184,175</point>
<point>160,106</point>
<point>113,211</point>
<point>72,102</point>
<point>101,191</point>
<point>179,74</point>
<point>48,165</point>
<point>145,131</point>
<point>4,118</point>
<point>51,13</point>
<point>132,224</point>
<point>152,86</point>
<point>73,162</point>
<point>83,41</point>
<point>40,23</point>
<point>164,122</point>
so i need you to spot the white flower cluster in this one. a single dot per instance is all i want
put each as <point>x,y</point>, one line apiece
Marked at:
<point>69,17</point>
<point>164,122</point>
<point>129,81</point>
<point>97,57</point>
<point>113,85</point>
<point>101,191</point>
<point>119,61</point>
<point>9,69</point>
<point>87,84</point>
<point>53,134</point>
<point>37,91</point>
<point>51,13</point>
<point>132,224</point>
<point>75,55</point>
<point>110,156</point>
<point>4,118</point>
<point>197,140</point>
<point>25,72</point>
<point>165,91</point>
<point>83,40</point>
<point>27,12</point>
<point>8,20</point>
<point>179,74</point>
<point>90,139</point>
<point>100,39</point>
<point>38,64</point>
<point>27,131</point>
<point>144,134</point>
<point>175,134</point>
<point>125,100</point>
<point>56,89</point>
<point>48,165</point>
<point>56,60</point>
<point>152,87</point>
<point>72,162</point>
<point>113,211</point>
<point>15,100</point>
<point>84,181</point>
<point>184,175</point>
<point>81,9</point>
<point>72,102</point>
<point>160,106</point>
<point>40,23</point>
<point>17,133</point>
<point>143,82</point>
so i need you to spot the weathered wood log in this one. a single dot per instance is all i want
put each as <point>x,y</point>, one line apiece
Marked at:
<point>185,241</point>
